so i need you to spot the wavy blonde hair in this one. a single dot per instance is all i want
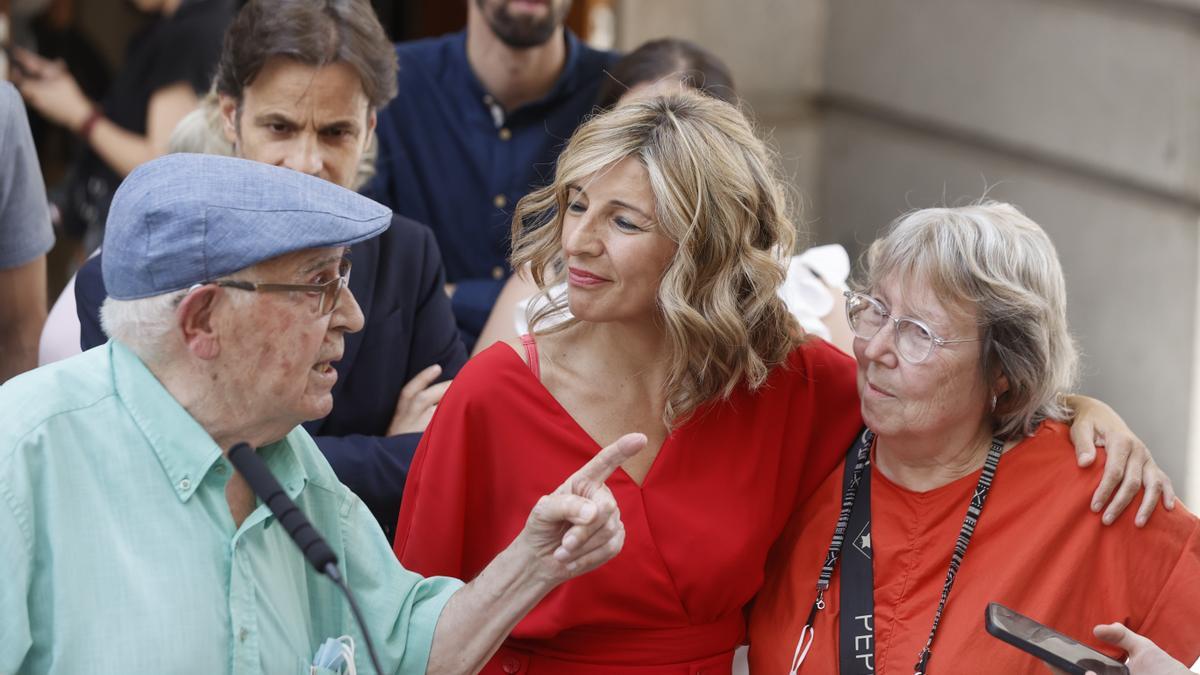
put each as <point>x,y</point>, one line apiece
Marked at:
<point>717,196</point>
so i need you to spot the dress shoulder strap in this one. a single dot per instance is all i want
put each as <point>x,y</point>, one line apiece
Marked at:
<point>531,354</point>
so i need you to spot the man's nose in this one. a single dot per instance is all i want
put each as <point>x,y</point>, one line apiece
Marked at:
<point>304,155</point>
<point>347,315</point>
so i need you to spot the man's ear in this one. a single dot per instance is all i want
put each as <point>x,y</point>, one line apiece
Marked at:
<point>194,316</point>
<point>229,117</point>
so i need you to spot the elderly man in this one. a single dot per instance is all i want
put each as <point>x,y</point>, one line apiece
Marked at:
<point>130,545</point>
<point>300,81</point>
<point>483,115</point>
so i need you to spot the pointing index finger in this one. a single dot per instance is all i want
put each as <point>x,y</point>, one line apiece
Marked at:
<point>600,467</point>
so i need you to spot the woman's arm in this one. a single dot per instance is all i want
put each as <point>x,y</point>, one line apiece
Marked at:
<point>124,150</point>
<point>53,91</point>
<point>1128,466</point>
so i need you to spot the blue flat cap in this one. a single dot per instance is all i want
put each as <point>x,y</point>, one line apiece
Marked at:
<point>183,219</point>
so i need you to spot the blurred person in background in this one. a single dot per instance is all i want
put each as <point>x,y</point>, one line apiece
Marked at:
<point>961,491</point>
<point>25,237</point>
<point>167,68</point>
<point>483,115</point>
<point>669,221</point>
<point>816,277</point>
<point>298,84</point>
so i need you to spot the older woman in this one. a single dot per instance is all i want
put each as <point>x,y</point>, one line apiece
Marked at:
<point>668,223</point>
<point>962,490</point>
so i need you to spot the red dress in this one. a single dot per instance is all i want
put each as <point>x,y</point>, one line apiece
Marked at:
<point>698,529</point>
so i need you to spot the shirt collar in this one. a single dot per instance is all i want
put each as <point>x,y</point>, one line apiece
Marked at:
<point>185,450</point>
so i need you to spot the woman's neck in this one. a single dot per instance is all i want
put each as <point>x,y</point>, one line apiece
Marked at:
<point>634,350</point>
<point>929,461</point>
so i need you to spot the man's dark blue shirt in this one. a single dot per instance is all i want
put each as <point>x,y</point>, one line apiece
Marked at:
<point>398,282</point>
<point>451,157</point>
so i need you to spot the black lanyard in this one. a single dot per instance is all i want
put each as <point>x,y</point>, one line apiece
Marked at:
<point>857,589</point>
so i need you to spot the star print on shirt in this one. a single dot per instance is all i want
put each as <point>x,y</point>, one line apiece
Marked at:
<point>862,542</point>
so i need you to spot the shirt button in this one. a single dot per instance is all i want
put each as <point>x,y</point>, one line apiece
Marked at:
<point>242,635</point>
<point>497,272</point>
<point>500,201</point>
<point>184,485</point>
<point>505,134</point>
<point>511,665</point>
<point>219,468</point>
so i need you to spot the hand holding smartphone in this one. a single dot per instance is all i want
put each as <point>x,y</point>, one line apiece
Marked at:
<point>1047,644</point>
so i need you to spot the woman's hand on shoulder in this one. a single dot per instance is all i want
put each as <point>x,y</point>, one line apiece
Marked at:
<point>1128,466</point>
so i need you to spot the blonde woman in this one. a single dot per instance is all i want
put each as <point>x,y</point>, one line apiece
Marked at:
<point>668,223</point>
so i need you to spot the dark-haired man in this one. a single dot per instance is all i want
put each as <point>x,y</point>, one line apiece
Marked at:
<point>300,81</point>
<point>482,116</point>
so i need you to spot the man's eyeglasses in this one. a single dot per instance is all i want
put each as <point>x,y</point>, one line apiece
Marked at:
<point>329,291</point>
<point>914,340</point>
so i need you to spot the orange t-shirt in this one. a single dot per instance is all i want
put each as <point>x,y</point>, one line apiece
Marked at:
<point>1037,549</point>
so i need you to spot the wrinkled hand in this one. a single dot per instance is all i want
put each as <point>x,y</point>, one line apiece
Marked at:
<point>418,400</point>
<point>51,90</point>
<point>578,527</point>
<point>1129,466</point>
<point>1145,657</point>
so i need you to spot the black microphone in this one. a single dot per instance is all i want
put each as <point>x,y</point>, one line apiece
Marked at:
<point>310,542</point>
<point>267,488</point>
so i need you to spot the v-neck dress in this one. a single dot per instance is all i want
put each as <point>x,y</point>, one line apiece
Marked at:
<point>698,529</point>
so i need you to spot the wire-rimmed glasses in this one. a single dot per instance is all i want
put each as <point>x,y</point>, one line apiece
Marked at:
<point>329,291</point>
<point>914,340</point>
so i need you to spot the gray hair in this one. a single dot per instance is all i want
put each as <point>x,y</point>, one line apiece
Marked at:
<point>994,258</point>
<point>200,131</point>
<point>143,325</point>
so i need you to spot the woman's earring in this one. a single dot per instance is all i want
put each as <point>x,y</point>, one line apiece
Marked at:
<point>993,403</point>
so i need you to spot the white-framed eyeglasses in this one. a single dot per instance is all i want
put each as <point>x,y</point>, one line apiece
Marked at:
<point>915,341</point>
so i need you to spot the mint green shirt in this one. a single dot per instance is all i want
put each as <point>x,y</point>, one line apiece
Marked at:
<point>118,553</point>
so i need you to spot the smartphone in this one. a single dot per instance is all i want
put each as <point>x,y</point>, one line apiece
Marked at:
<point>1048,644</point>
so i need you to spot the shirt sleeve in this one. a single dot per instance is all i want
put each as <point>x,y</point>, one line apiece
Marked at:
<point>189,54</point>
<point>836,417</point>
<point>89,296</point>
<point>25,231</point>
<point>1172,621</point>
<point>375,468</point>
<point>400,607</point>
